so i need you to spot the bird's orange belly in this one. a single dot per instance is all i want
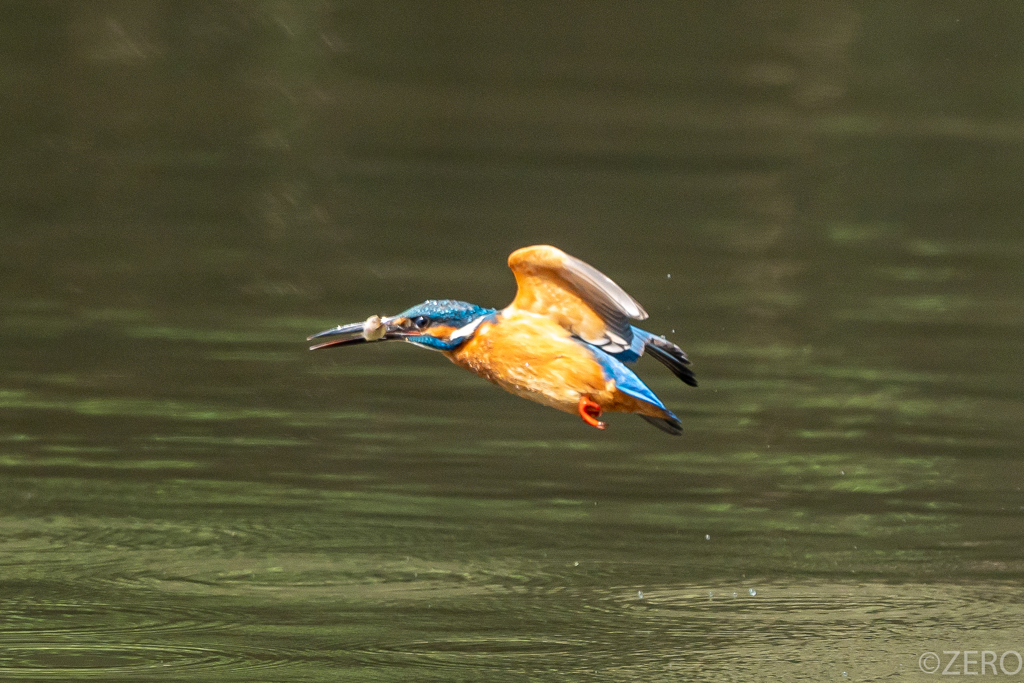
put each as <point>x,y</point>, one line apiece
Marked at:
<point>534,357</point>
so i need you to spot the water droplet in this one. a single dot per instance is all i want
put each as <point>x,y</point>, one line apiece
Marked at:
<point>752,592</point>
<point>707,537</point>
<point>669,276</point>
<point>640,595</point>
<point>575,564</point>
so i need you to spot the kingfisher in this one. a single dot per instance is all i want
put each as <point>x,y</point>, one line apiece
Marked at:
<point>564,341</point>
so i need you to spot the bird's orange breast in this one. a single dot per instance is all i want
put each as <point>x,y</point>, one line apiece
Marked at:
<point>534,357</point>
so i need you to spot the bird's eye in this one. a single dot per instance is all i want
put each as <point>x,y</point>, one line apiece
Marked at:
<point>421,321</point>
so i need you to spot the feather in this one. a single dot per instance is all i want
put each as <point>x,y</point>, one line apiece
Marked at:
<point>671,425</point>
<point>669,355</point>
<point>583,299</point>
<point>626,380</point>
<point>599,290</point>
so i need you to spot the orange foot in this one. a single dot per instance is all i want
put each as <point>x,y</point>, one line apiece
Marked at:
<point>590,411</point>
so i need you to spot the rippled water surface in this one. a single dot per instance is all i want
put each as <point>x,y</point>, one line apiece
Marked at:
<point>819,204</point>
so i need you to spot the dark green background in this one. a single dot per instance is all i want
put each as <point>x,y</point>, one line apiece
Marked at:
<point>820,202</point>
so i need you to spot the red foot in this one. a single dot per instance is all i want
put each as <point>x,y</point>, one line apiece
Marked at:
<point>590,411</point>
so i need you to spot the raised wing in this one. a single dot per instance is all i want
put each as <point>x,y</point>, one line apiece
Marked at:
<point>581,298</point>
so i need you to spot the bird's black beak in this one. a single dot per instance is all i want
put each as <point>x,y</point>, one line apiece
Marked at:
<point>373,329</point>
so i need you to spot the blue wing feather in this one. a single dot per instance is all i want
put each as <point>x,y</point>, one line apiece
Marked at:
<point>625,379</point>
<point>628,383</point>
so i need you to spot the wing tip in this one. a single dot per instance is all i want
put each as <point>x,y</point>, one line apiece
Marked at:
<point>669,425</point>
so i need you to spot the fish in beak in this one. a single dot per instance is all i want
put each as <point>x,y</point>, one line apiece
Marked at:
<point>372,329</point>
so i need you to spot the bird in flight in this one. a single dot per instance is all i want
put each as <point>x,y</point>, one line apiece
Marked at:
<point>564,341</point>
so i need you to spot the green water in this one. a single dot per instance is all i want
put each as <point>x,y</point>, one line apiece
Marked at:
<point>820,204</point>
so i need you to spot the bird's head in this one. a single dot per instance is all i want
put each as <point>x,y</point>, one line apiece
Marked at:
<point>440,325</point>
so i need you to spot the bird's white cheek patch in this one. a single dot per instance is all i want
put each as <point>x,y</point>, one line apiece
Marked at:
<point>466,330</point>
